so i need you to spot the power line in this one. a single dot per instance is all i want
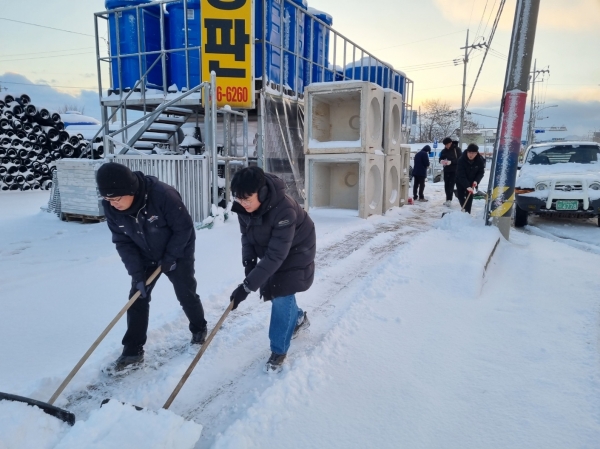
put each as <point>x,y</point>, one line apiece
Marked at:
<point>49,51</point>
<point>422,40</point>
<point>48,85</point>
<point>439,87</point>
<point>44,26</point>
<point>46,57</point>
<point>481,20</point>
<point>489,44</point>
<point>483,115</point>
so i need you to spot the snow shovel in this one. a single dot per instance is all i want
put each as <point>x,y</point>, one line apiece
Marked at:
<point>463,207</point>
<point>48,407</point>
<point>187,373</point>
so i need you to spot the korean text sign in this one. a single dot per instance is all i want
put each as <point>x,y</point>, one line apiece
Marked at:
<point>227,49</point>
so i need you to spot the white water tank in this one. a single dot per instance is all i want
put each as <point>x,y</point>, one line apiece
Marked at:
<point>345,181</point>
<point>343,117</point>
<point>391,182</point>
<point>392,122</point>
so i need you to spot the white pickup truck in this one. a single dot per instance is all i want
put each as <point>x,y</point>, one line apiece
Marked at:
<point>559,179</point>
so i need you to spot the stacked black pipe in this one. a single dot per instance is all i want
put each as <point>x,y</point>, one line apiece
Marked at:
<point>32,139</point>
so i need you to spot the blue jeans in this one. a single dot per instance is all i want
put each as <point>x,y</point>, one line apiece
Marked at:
<point>284,316</point>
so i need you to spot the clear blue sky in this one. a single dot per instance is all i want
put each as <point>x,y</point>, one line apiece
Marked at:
<point>421,38</point>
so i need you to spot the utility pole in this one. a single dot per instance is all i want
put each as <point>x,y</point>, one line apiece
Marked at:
<point>467,47</point>
<point>420,129</point>
<point>532,108</point>
<point>501,190</point>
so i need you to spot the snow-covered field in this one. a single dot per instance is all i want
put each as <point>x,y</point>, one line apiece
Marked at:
<point>412,342</point>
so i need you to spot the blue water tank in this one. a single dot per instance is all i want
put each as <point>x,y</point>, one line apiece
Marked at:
<point>320,47</point>
<point>368,69</point>
<point>399,82</point>
<point>177,41</point>
<point>293,67</point>
<point>271,33</point>
<point>147,30</point>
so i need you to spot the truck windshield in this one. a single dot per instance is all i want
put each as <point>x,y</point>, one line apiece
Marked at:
<point>559,154</point>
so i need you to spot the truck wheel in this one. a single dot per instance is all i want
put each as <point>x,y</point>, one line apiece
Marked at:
<point>521,217</point>
<point>598,220</point>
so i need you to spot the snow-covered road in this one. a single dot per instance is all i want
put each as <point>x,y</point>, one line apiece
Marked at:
<point>410,345</point>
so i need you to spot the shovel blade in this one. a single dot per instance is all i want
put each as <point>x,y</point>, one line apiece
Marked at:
<point>59,413</point>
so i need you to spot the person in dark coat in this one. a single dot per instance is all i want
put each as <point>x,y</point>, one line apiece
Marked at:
<point>449,158</point>
<point>469,172</point>
<point>278,254</point>
<point>150,227</point>
<point>421,163</point>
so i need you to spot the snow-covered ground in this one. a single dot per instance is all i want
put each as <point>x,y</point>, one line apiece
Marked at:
<point>412,342</point>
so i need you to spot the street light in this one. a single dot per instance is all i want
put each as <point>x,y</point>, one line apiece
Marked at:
<point>531,138</point>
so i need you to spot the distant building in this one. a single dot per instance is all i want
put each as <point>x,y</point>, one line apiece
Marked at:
<point>482,137</point>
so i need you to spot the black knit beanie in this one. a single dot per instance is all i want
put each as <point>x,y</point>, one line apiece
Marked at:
<point>116,180</point>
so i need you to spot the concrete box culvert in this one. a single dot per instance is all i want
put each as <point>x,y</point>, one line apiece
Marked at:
<point>391,189</point>
<point>392,122</point>
<point>345,181</point>
<point>343,117</point>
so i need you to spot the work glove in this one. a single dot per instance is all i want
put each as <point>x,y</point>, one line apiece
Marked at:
<point>141,286</point>
<point>239,294</point>
<point>167,266</point>
<point>474,184</point>
<point>470,189</point>
<point>249,265</point>
<point>448,163</point>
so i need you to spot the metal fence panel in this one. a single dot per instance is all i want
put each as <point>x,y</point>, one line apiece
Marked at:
<point>188,174</point>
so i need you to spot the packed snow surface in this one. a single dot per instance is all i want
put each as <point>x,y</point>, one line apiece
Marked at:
<point>413,341</point>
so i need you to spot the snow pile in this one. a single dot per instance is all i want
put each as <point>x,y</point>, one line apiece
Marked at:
<point>217,216</point>
<point>115,425</point>
<point>23,426</point>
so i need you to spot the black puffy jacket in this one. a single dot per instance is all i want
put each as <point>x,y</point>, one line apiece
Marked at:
<point>452,154</point>
<point>162,229</point>
<point>468,171</point>
<point>282,235</point>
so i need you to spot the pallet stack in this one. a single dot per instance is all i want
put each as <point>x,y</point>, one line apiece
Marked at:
<point>79,196</point>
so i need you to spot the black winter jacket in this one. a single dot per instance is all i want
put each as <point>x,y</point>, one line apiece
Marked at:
<point>468,171</point>
<point>162,229</point>
<point>452,154</point>
<point>282,235</point>
<point>421,163</point>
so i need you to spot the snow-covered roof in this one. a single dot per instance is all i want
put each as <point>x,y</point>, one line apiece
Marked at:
<point>76,118</point>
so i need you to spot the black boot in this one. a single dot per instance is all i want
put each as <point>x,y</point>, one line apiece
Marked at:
<point>129,359</point>
<point>199,337</point>
<point>275,362</point>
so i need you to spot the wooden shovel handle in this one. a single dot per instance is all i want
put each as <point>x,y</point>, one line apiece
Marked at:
<point>100,338</point>
<point>465,203</point>
<point>197,358</point>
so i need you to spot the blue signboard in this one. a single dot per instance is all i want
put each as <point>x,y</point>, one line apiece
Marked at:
<point>435,143</point>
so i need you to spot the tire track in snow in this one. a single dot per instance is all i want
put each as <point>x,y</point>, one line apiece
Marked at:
<point>575,243</point>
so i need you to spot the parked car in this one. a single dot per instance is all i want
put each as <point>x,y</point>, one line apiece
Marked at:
<point>559,179</point>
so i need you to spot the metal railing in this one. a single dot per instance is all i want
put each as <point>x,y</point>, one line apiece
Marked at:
<point>189,175</point>
<point>343,50</point>
<point>357,62</point>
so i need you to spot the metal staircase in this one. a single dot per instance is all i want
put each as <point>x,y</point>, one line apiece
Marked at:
<point>159,128</point>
